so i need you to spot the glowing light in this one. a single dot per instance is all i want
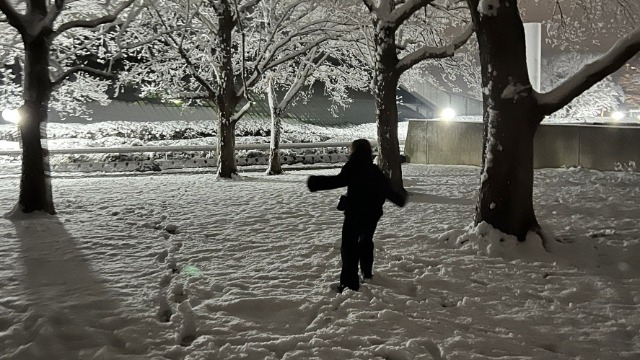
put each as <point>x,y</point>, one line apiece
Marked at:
<point>11,115</point>
<point>617,115</point>
<point>448,114</point>
<point>191,270</point>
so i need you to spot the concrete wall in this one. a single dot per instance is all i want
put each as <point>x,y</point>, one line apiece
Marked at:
<point>591,146</point>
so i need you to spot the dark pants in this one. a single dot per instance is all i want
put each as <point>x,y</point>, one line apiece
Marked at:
<point>357,247</point>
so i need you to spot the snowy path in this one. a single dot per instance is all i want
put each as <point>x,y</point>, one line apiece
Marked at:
<point>247,275</point>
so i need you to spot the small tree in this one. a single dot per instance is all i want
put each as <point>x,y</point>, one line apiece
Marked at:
<point>332,65</point>
<point>44,29</point>
<point>513,112</point>
<point>387,17</point>
<point>277,107</point>
<point>212,51</point>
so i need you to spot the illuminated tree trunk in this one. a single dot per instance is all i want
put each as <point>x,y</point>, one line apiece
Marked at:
<point>227,98</point>
<point>275,167</point>
<point>35,183</point>
<point>385,86</point>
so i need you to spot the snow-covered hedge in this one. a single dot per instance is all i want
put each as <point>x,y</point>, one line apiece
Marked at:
<point>181,130</point>
<point>175,133</point>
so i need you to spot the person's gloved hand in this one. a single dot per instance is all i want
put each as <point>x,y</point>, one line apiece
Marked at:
<point>312,183</point>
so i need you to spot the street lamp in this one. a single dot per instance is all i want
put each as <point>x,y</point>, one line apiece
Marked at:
<point>11,115</point>
<point>448,114</point>
<point>617,115</point>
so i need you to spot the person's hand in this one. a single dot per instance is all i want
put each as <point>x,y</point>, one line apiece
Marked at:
<point>312,183</point>
<point>405,198</point>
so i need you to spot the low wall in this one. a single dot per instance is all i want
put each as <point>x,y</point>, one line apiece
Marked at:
<point>601,147</point>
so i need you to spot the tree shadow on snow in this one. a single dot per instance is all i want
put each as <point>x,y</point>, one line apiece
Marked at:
<point>417,197</point>
<point>72,309</point>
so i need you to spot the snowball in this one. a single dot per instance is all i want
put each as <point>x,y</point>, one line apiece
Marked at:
<point>488,7</point>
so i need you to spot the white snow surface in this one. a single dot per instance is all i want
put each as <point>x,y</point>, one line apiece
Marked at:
<point>246,269</point>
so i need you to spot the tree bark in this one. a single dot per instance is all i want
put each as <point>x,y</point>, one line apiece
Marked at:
<point>35,183</point>
<point>227,166</point>
<point>511,119</point>
<point>385,87</point>
<point>226,99</point>
<point>275,167</point>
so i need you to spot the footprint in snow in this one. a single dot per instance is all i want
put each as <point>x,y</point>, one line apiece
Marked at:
<point>164,312</point>
<point>162,256</point>
<point>179,295</point>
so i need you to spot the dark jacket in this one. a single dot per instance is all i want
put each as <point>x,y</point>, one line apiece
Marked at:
<point>367,187</point>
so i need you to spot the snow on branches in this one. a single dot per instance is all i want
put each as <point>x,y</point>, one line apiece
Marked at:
<point>82,49</point>
<point>604,96</point>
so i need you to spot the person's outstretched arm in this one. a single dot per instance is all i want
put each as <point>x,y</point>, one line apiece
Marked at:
<point>322,182</point>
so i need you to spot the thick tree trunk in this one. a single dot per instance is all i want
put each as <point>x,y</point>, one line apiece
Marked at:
<point>385,86</point>
<point>511,118</point>
<point>35,183</point>
<point>227,167</point>
<point>275,167</point>
<point>227,99</point>
<point>506,192</point>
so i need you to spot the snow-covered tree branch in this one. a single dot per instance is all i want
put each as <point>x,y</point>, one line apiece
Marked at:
<point>625,49</point>
<point>406,10</point>
<point>77,69</point>
<point>93,23</point>
<point>14,18</point>
<point>431,52</point>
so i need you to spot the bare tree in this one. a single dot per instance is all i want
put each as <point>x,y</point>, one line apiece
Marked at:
<point>331,64</point>
<point>513,111</point>
<point>215,51</point>
<point>41,25</point>
<point>392,60</point>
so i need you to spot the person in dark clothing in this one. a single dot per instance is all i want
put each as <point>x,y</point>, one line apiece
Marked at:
<point>367,190</point>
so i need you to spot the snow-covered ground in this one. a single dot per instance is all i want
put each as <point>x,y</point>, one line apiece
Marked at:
<point>247,273</point>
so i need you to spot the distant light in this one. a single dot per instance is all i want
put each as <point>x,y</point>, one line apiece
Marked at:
<point>177,102</point>
<point>617,115</point>
<point>448,114</point>
<point>11,115</point>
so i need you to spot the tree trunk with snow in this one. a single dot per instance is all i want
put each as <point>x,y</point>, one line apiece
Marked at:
<point>510,118</point>
<point>385,87</point>
<point>275,167</point>
<point>513,112</point>
<point>226,148</point>
<point>227,98</point>
<point>35,183</point>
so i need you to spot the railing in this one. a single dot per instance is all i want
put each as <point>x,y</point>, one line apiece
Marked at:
<point>182,148</point>
<point>209,161</point>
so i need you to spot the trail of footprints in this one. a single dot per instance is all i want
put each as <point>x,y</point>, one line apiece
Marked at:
<point>171,292</point>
